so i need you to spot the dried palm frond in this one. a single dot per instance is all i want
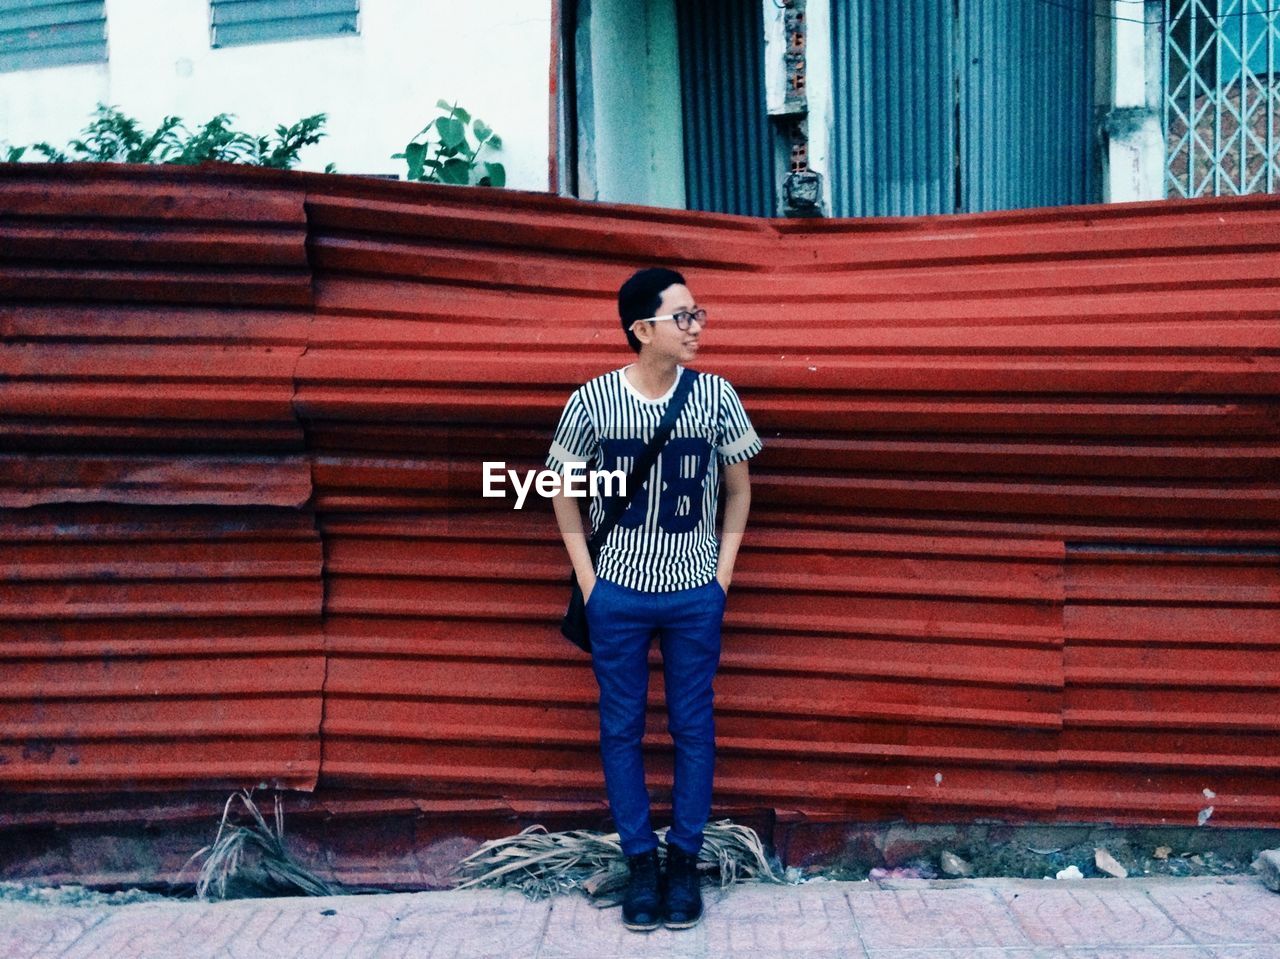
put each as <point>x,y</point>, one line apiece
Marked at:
<point>737,854</point>
<point>541,863</point>
<point>252,859</point>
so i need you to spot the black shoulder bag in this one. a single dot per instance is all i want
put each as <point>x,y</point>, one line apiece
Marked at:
<point>574,624</point>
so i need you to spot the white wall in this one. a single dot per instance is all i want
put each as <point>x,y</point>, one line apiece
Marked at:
<point>379,88</point>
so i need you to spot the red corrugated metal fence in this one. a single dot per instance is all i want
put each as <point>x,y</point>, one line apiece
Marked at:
<point>1015,548</point>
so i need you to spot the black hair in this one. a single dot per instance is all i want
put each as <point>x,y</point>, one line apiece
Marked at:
<point>640,297</point>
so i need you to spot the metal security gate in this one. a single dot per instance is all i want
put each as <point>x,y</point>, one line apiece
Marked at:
<point>943,107</point>
<point>728,139</point>
<point>1222,96</point>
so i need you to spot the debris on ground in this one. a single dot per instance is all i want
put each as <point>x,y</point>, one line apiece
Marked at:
<point>1267,866</point>
<point>735,853</point>
<point>953,865</point>
<point>1137,854</point>
<point>73,895</point>
<point>898,872</point>
<point>541,863</point>
<point>1095,854</point>
<point>1107,863</point>
<point>249,859</point>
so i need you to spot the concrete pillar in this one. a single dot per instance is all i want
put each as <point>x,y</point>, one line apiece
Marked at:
<point>798,78</point>
<point>1135,141</point>
<point>630,136</point>
<point>819,83</point>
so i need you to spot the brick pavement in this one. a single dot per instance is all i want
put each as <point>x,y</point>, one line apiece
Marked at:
<point>1222,918</point>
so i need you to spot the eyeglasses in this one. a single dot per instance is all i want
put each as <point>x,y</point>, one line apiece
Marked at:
<point>683,319</point>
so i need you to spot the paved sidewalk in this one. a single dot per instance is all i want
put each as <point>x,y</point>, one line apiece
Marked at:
<point>1223,918</point>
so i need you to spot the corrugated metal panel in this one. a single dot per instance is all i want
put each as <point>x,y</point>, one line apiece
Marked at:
<point>238,22</point>
<point>984,106</point>
<point>728,139</point>
<point>185,397</point>
<point>171,639</point>
<point>51,33</point>
<point>818,712</point>
<point>966,420</point>
<point>159,649</point>
<point>954,400</point>
<point>1171,668</point>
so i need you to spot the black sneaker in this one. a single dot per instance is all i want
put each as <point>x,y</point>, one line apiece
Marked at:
<point>682,901</point>
<point>642,903</point>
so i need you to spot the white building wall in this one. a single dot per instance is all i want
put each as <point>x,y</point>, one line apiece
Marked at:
<point>379,88</point>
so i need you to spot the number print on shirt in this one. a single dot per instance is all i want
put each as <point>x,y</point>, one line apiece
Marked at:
<point>684,471</point>
<point>622,455</point>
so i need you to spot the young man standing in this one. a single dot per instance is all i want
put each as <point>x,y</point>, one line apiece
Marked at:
<point>661,571</point>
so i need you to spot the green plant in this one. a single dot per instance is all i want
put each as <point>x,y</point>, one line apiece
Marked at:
<point>114,137</point>
<point>281,149</point>
<point>442,151</point>
<point>215,141</point>
<point>250,858</point>
<point>51,154</point>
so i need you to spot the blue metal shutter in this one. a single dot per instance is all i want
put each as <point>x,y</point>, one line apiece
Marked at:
<point>1027,134</point>
<point>44,33</point>
<point>893,149</point>
<point>728,139</point>
<point>986,105</point>
<point>266,21</point>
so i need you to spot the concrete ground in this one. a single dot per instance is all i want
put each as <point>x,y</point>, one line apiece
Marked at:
<point>1233,917</point>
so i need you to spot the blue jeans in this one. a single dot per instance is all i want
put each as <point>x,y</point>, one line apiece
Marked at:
<point>622,623</point>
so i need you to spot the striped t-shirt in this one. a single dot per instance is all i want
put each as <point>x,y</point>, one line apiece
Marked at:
<point>666,538</point>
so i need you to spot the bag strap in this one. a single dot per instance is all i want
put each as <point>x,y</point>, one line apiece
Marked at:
<point>644,464</point>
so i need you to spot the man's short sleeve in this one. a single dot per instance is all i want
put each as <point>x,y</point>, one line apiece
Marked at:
<point>575,439</point>
<point>736,438</point>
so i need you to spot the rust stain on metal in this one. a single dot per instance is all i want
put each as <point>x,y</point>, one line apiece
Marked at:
<point>1015,548</point>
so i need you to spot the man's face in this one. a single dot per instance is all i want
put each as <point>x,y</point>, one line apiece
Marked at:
<point>663,338</point>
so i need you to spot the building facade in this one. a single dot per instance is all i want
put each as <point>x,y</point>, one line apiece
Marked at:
<point>376,67</point>
<point>760,107</point>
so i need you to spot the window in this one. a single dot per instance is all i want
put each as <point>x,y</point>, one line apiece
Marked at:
<point>43,33</point>
<point>237,22</point>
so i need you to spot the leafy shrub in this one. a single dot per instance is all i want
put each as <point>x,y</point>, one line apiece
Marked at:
<point>442,151</point>
<point>114,137</point>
